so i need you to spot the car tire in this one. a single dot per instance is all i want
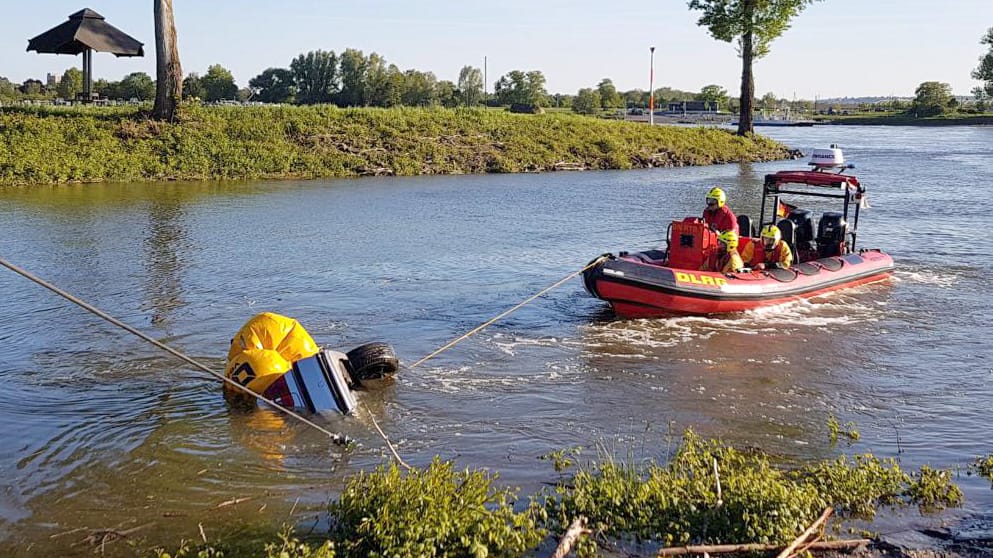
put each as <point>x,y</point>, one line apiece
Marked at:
<point>372,361</point>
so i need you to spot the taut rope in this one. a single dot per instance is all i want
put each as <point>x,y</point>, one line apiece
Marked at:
<point>339,439</point>
<point>506,313</point>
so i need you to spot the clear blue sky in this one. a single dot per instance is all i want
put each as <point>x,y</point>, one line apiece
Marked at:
<point>834,48</point>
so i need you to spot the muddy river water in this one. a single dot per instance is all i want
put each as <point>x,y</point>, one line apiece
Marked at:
<point>101,430</point>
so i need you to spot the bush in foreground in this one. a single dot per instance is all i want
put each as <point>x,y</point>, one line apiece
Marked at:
<point>438,511</point>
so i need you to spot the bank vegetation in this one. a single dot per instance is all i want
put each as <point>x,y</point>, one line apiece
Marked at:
<point>93,144</point>
<point>705,493</point>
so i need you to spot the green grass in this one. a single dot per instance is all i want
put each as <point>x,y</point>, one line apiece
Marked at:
<point>903,119</point>
<point>54,145</point>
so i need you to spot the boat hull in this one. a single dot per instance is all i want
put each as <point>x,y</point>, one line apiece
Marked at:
<point>638,286</point>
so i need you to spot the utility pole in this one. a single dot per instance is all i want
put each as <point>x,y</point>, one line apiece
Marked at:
<point>651,88</point>
<point>486,85</point>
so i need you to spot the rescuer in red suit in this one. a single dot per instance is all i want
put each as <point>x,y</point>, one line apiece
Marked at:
<point>718,215</point>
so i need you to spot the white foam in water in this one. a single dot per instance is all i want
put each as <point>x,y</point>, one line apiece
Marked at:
<point>944,279</point>
<point>830,310</point>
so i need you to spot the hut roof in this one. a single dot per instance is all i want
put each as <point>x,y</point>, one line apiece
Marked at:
<point>86,29</point>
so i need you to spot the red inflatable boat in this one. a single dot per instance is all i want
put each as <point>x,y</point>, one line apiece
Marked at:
<point>667,281</point>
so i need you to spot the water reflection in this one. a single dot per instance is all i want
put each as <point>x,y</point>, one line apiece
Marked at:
<point>165,244</point>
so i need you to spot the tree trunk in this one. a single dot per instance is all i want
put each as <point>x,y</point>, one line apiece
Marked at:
<point>169,73</point>
<point>747,81</point>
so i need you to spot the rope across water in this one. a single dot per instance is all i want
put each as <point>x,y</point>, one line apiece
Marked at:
<point>339,439</point>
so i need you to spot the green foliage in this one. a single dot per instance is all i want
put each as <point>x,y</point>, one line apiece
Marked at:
<point>275,85</point>
<point>932,98</point>
<point>316,76</point>
<point>287,546</point>
<point>520,88</point>
<point>763,20</point>
<point>470,86</point>
<point>431,512</point>
<point>835,428</point>
<point>933,490</point>
<point>218,84</point>
<point>8,91</point>
<point>193,87</point>
<point>609,97</point>
<point>678,503</point>
<point>983,466</point>
<point>587,101</point>
<point>92,144</point>
<point>562,459</point>
<point>714,93</point>
<point>137,85</point>
<point>984,72</point>
<point>71,83</point>
<point>754,24</point>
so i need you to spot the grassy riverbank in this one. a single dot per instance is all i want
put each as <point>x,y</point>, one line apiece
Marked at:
<point>902,119</point>
<point>52,145</point>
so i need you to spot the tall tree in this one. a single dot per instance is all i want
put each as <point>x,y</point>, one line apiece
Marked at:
<point>932,98</point>
<point>377,81</point>
<point>984,72</point>
<point>71,84</point>
<point>218,84</point>
<point>470,86</point>
<point>316,76</point>
<point>419,89</point>
<point>137,85</point>
<point>353,78</point>
<point>587,101</point>
<point>714,93</point>
<point>446,94</point>
<point>275,85</point>
<point>168,71</point>
<point>7,89</point>
<point>609,97</point>
<point>193,87</point>
<point>754,24</point>
<point>534,87</point>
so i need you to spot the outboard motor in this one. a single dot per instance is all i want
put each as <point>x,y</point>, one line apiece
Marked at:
<point>831,232</point>
<point>804,226</point>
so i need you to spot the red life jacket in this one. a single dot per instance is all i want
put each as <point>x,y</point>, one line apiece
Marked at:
<point>722,219</point>
<point>761,255</point>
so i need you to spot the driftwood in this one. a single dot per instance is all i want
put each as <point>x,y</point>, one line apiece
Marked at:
<point>735,548</point>
<point>576,529</point>
<point>806,534</point>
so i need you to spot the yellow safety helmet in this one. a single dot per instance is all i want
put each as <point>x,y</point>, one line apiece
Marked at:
<point>771,232</point>
<point>716,193</point>
<point>728,238</point>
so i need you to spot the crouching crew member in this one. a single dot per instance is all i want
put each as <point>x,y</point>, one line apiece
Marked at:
<point>771,252</point>
<point>727,259</point>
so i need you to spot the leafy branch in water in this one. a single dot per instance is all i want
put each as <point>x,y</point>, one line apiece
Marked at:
<point>835,429</point>
<point>983,466</point>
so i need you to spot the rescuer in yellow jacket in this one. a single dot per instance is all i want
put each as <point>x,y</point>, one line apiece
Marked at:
<point>727,259</point>
<point>771,252</point>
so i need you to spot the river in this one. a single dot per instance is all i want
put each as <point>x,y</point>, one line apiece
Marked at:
<point>105,431</point>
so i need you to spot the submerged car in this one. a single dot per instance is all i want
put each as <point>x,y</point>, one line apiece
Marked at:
<point>274,356</point>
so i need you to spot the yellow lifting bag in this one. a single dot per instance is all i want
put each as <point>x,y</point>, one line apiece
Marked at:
<point>265,348</point>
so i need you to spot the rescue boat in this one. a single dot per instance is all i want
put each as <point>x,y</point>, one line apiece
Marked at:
<point>668,281</point>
